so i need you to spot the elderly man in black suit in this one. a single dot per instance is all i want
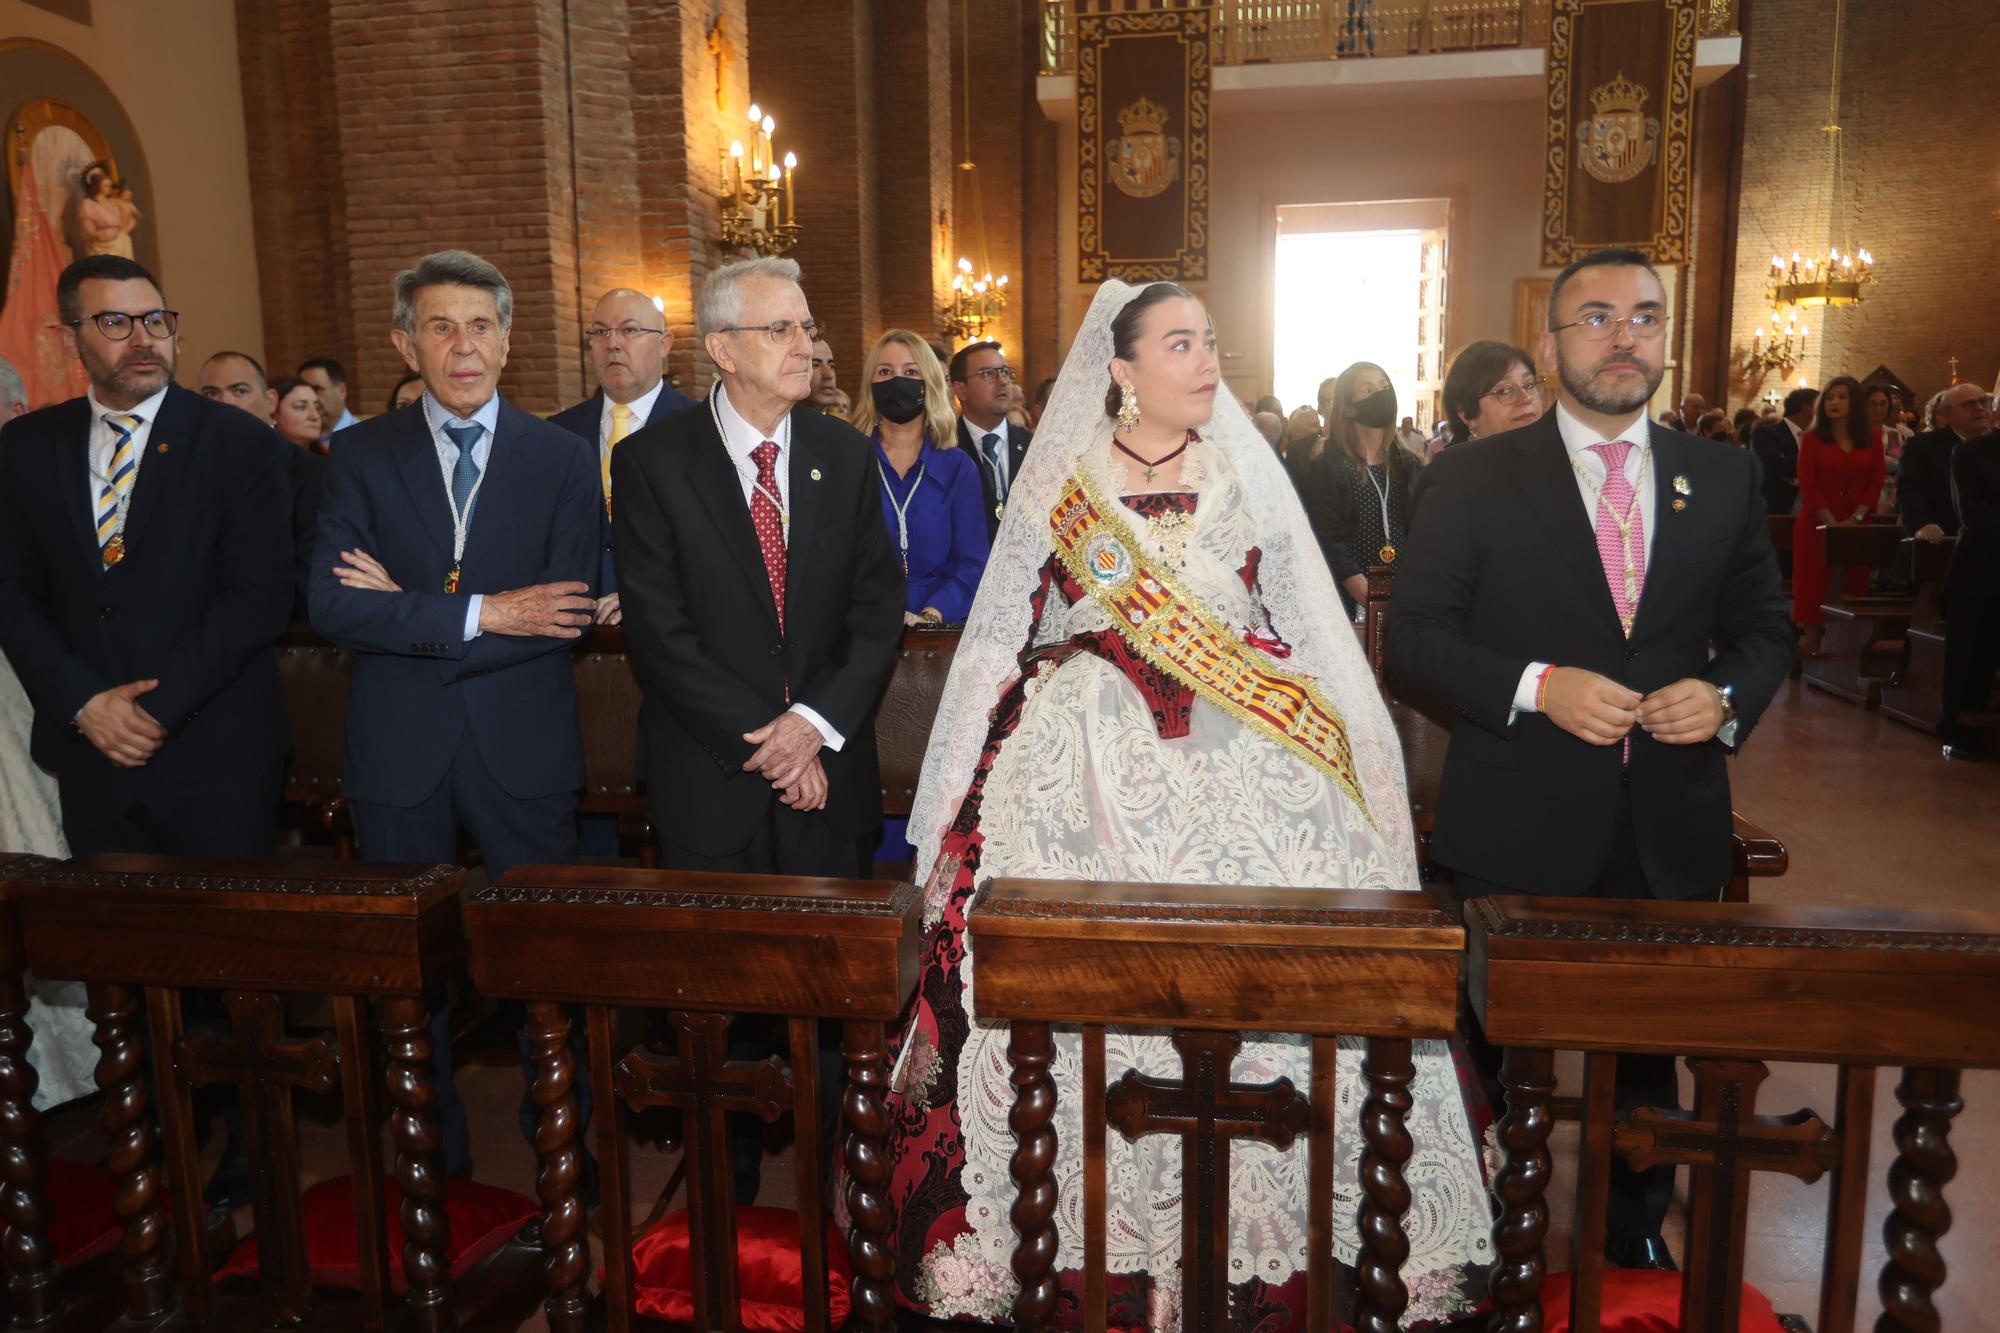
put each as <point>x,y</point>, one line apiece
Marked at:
<point>1972,598</point>
<point>1596,599</point>
<point>1923,481</point>
<point>983,383</point>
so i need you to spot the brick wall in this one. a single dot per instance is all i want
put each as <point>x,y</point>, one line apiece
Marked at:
<point>914,160</point>
<point>1916,107</point>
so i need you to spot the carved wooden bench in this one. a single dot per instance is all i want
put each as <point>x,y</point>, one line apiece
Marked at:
<point>1863,643</point>
<point>1916,693</point>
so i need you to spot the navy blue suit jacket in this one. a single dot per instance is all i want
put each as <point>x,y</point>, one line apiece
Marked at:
<point>203,592</point>
<point>586,419</point>
<point>418,681</point>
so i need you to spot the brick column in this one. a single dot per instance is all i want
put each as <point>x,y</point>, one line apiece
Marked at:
<point>914,165</point>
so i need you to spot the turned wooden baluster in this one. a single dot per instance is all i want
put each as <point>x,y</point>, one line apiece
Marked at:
<point>133,1156</point>
<point>1522,1188</point>
<point>1923,1166</point>
<point>405,1029</point>
<point>1382,1297</point>
<point>564,1244</point>
<point>1030,1050</point>
<point>31,1265</point>
<point>863,1047</point>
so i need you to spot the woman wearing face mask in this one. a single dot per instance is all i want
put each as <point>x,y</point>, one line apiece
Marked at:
<point>930,490</point>
<point>1358,494</point>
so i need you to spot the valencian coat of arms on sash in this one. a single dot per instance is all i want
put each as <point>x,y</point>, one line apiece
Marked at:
<point>1618,142</point>
<point>1144,160</point>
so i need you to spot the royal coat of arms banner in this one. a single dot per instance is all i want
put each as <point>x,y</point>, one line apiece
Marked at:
<point>1620,128</point>
<point>1142,143</point>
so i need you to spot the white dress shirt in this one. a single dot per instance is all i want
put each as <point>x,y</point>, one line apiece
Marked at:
<point>487,417</point>
<point>104,443</point>
<point>347,418</point>
<point>1003,459</point>
<point>741,439</point>
<point>641,408</point>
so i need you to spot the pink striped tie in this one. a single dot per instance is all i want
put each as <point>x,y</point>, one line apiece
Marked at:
<point>1624,556</point>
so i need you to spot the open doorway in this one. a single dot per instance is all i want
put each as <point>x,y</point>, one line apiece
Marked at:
<point>1360,282</point>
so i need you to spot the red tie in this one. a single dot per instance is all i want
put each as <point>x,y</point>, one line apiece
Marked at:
<point>770,524</point>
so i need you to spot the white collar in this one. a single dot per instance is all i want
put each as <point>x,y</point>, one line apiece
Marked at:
<point>741,438</point>
<point>1577,438</point>
<point>978,435</point>
<point>642,406</point>
<point>147,411</point>
<point>1798,431</point>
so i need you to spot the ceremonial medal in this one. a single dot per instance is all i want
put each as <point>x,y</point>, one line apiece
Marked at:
<point>451,580</point>
<point>1387,554</point>
<point>1000,511</point>
<point>114,550</point>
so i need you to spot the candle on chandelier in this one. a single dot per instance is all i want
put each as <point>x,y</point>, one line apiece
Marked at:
<point>791,207</point>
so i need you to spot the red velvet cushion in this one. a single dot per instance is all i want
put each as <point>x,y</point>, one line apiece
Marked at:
<point>83,1223</point>
<point>767,1271</point>
<point>1644,1301</point>
<point>482,1218</point>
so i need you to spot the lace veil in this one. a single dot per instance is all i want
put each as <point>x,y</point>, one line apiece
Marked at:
<point>1297,589</point>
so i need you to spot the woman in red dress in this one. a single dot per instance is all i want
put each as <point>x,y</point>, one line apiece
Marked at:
<point>1840,479</point>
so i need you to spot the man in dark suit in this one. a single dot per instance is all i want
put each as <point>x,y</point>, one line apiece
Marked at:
<point>983,383</point>
<point>629,341</point>
<point>1776,444</point>
<point>145,570</point>
<point>1923,480</point>
<point>238,379</point>
<point>1972,598</point>
<point>1561,591</point>
<point>457,544</point>
<point>763,605</point>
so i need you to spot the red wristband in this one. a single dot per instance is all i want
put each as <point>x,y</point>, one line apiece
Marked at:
<point>1542,687</point>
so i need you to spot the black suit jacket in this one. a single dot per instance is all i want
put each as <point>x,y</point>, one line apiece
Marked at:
<point>1501,570</point>
<point>1018,441</point>
<point>205,588</point>
<point>419,684</point>
<point>1778,454</point>
<point>1972,585</point>
<point>703,629</point>
<point>306,471</point>
<point>585,420</point>
<point>1923,482</point>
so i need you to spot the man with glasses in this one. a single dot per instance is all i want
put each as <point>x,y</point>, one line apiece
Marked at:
<point>145,570</point>
<point>983,383</point>
<point>628,340</point>
<point>1596,599</point>
<point>1923,481</point>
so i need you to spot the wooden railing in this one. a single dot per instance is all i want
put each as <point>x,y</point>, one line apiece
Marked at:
<point>1864,644</point>
<point>1251,32</point>
<point>704,947</point>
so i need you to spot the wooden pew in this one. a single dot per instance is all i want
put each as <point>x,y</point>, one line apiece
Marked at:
<point>314,676</point>
<point>1916,692</point>
<point>1731,987</point>
<point>704,947</point>
<point>140,930</point>
<point>1212,962</point>
<point>909,706</point>
<point>1863,644</point>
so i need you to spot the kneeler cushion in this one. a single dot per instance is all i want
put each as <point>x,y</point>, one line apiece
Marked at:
<point>482,1218</point>
<point>83,1221</point>
<point>767,1271</point>
<point>1644,1301</point>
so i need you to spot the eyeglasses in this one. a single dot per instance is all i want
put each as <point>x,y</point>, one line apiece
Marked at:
<point>1599,327</point>
<point>117,325</point>
<point>597,333</point>
<point>1509,392</point>
<point>780,333</point>
<point>995,374</point>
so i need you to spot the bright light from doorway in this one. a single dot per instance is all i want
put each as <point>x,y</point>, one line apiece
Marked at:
<point>1342,297</point>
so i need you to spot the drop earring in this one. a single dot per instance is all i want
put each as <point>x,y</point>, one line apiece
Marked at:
<point>1128,409</point>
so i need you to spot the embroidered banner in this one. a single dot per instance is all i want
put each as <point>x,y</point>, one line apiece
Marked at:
<point>1142,143</point>
<point>1175,633</point>
<point>1620,128</point>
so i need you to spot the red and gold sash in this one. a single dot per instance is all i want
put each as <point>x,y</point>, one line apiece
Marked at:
<point>1172,630</point>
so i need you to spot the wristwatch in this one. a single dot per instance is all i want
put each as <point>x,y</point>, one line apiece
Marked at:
<point>1722,695</point>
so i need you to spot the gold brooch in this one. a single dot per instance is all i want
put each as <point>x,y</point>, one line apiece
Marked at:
<point>1679,504</point>
<point>1681,486</point>
<point>815,474</point>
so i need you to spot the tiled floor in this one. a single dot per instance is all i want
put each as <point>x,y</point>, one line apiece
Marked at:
<point>1872,816</point>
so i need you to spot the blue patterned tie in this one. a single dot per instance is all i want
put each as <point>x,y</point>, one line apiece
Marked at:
<point>991,445</point>
<point>465,473</point>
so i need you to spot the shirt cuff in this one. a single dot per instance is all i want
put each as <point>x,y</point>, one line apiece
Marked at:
<point>1524,693</point>
<point>1726,733</point>
<point>834,740</point>
<point>472,605</point>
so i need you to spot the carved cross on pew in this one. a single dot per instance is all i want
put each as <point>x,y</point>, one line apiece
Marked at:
<point>1207,1111</point>
<point>1723,1140</point>
<point>259,1058</point>
<point>707,1084</point>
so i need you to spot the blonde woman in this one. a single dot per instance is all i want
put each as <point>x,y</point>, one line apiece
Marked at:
<point>930,489</point>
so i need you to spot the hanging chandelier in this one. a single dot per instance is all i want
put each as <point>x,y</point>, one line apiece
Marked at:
<point>977,296</point>
<point>1835,275</point>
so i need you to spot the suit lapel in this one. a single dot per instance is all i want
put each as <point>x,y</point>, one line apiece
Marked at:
<point>416,457</point>
<point>715,480</point>
<point>1548,484</point>
<point>160,472</point>
<point>1670,460</point>
<point>77,493</point>
<point>806,467</point>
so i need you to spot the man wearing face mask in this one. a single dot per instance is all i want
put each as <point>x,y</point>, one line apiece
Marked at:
<point>1357,492</point>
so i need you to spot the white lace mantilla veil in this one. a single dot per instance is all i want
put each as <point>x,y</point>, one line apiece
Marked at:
<point>1297,590</point>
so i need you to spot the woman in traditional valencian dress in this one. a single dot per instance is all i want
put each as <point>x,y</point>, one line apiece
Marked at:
<point>1074,744</point>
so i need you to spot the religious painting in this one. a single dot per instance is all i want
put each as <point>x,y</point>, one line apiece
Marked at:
<point>1142,143</point>
<point>75,186</point>
<point>1620,137</point>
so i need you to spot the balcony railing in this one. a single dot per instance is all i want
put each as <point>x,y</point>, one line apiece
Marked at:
<point>1255,32</point>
